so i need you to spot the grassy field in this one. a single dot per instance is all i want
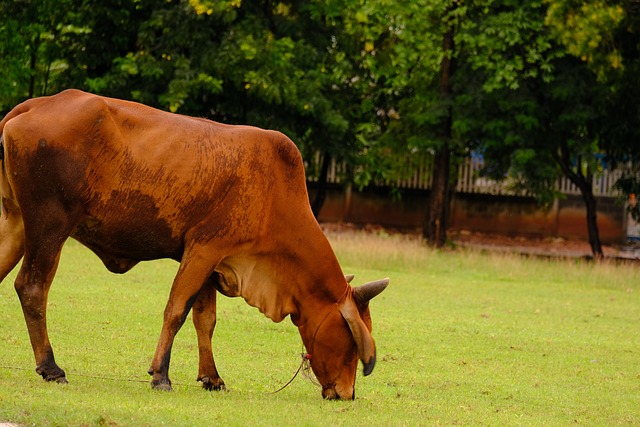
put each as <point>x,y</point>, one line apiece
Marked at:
<point>464,338</point>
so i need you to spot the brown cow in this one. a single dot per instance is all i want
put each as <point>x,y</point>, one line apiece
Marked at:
<point>133,183</point>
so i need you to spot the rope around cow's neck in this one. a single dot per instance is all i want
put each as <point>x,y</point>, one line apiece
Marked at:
<point>306,356</point>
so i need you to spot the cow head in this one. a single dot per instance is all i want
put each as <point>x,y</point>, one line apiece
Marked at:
<point>343,337</point>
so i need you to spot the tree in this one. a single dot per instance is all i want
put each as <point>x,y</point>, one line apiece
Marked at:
<point>406,65</point>
<point>442,59</point>
<point>51,45</point>
<point>564,117</point>
<point>435,229</point>
<point>602,36</point>
<point>38,42</point>
<point>552,123</point>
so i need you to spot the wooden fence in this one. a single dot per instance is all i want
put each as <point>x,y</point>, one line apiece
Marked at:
<point>469,179</point>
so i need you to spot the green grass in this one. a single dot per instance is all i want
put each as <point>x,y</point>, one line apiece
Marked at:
<point>464,338</point>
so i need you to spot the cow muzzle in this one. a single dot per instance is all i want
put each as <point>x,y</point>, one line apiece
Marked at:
<point>336,393</point>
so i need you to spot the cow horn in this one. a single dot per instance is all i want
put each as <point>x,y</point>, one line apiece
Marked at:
<point>349,277</point>
<point>361,335</point>
<point>369,290</point>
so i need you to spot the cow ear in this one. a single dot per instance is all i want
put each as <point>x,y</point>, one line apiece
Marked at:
<point>361,335</point>
<point>349,277</point>
<point>363,294</point>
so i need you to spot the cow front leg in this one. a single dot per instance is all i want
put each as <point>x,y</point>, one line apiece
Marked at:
<point>191,275</point>
<point>204,320</point>
<point>32,285</point>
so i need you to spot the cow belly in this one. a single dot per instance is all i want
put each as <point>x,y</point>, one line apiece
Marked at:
<point>121,246</point>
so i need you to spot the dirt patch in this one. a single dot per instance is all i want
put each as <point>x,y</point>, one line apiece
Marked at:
<point>526,245</point>
<point>536,246</point>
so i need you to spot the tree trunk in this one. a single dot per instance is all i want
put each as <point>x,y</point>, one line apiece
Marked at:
<point>435,228</point>
<point>592,221</point>
<point>584,182</point>
<point>321,192</point>
<point>33,63</point>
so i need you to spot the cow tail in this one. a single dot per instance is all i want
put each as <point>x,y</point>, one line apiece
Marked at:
<point>2,139</point>
<point>4,182</point>
<point>5,187</point>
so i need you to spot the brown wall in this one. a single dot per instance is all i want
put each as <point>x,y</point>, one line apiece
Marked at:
<point>507,215</point>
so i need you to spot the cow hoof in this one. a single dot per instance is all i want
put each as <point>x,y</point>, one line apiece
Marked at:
<point>162,386</point>
<point>55,378</point>
<point>209,384</point>
<point>59,380</point>
<point>52,374</point>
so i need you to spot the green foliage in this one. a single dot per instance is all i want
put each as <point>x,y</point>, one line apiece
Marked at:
<point>508,44</point>
<point>463,338</point>
<point>39,41</point>
<point>588,30</point>
<point>360,81</point>
<point>604,36</point>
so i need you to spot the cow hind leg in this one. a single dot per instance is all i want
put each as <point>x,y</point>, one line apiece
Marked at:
<point>204,320</point>
<point>193,272</point>
<point>32,285</point>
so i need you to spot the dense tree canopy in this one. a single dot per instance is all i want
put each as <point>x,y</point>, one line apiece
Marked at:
<point>540,88</point>
<point>576,119</point>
